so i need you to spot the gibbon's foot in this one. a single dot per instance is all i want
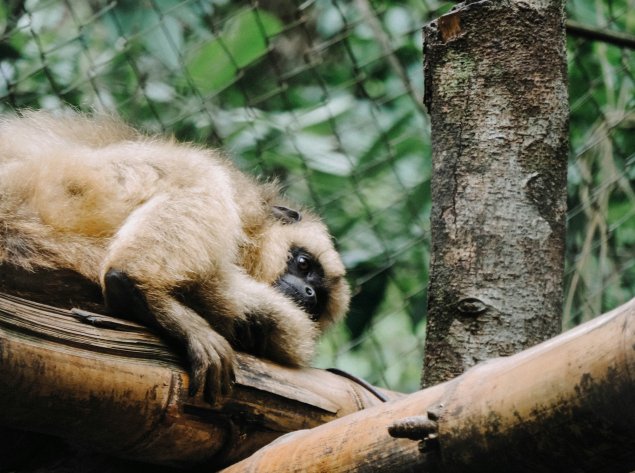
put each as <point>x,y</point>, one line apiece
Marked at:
<point>211,361</point>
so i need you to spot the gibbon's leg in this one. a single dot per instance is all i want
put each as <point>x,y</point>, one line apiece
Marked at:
<point>166,246</point>
<point>273,326</point>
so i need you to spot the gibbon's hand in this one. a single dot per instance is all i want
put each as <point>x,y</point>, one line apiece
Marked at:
<point>211,360</point>
<point>209,354</point>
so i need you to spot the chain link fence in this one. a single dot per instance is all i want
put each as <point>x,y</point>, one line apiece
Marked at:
<point>326,96</point>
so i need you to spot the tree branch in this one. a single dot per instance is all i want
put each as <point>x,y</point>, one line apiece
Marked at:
<point>616,38</point>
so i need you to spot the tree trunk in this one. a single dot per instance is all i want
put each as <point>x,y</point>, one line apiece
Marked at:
<point>496,90</point>
<point>565,405</point>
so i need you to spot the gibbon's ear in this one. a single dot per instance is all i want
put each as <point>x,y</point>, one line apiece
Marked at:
<point>285,214</point>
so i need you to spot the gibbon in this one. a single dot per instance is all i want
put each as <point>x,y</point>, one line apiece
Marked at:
<point>175,236</point>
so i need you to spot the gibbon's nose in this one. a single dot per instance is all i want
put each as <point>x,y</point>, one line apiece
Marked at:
<point>298,289</point>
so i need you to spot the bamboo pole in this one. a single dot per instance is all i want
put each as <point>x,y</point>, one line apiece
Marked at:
<point>564,405</point>
<point>121,391</point>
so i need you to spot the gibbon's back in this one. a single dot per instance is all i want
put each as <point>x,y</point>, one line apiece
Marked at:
<point>85,176</point>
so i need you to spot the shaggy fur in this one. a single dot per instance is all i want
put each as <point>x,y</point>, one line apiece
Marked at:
<point>196,236</point>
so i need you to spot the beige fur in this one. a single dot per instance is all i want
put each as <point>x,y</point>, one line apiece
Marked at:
<point>91,194</point>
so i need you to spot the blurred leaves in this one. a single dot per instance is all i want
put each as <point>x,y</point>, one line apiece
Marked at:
<point>243,39</point>
<point>601,252</point>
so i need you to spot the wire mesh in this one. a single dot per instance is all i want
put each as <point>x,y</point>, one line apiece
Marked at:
<point>601,232</point>
<point>326,96</point>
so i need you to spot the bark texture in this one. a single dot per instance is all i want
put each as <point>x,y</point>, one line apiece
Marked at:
<point>496,90</point>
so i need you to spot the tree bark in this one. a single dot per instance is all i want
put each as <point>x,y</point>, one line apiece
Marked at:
<point>496,90</point>
<point>122,392</point>
<point>565,405</point>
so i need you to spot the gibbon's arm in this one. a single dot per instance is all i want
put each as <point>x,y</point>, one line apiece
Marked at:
<point>137,275</point>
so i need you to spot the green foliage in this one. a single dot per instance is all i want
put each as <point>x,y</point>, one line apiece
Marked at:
<point>601,252</point>
<point>242,41</point>
<point>326,96</point>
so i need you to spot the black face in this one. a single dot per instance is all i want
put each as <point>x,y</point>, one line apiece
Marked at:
<point>304,282</point>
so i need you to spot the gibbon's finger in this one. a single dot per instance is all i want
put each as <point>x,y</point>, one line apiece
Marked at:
<point>196,379</point>
<point>224,376</point>
<point>198,365</point>
<point>228,377</point>
<point>220,375</point>
<point>195,382</point>
<point>213,381</point>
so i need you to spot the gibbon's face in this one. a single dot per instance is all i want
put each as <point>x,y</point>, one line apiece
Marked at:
<point>304,283</point>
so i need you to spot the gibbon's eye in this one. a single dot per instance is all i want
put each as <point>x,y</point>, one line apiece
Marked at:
<point>303,263</point>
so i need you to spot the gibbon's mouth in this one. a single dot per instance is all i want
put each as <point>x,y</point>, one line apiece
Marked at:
<point>300,293</point>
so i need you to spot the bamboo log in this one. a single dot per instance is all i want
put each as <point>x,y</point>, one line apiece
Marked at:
<point>564,405</point>
<point>121,391</point>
